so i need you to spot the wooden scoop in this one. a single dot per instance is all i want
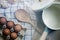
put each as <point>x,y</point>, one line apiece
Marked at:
<point>24,16</point>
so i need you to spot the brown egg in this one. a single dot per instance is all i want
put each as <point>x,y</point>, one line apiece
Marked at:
<point>3,20</point>
<point>13,35</point>
<point>10,24</point>
<point>6,31</point>
<point>17,28</point>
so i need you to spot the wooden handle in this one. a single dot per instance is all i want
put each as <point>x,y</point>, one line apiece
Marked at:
<point>34,25</point>
<point>44,35</point>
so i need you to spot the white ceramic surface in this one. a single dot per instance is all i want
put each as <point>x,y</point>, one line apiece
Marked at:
<point>41,5</point>
<point>51,17</point>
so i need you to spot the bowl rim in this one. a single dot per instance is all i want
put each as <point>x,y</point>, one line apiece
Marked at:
<point>45,23</point>
<point>37,6</point>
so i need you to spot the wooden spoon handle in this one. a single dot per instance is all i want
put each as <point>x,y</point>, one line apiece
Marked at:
<point>34,25</point>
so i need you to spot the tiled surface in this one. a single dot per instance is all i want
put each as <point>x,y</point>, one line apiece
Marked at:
<point>9,14</point>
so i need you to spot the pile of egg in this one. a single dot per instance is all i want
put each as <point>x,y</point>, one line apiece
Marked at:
<point>9,28</point>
